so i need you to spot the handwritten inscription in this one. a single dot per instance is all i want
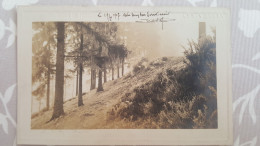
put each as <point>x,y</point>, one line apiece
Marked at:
<point>141,17</point>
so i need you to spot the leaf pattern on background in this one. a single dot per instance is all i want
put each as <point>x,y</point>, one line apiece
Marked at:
<point>249,22</point>
<point>5,98</point>
<point>2,29</point>
<point>11,40</point>
<point>8,94</point>
<point>10,4</point>
<point>11,28</point>
<point>256,57</point>
<point>94,2</point>
<point>147,3</point>
<point>248,143</point>
<point>193,2</point>
<point>4,123</point>
<point>14,143</point>
<point>247,100</point>
<point>214,3</point>
<point>253,69</point>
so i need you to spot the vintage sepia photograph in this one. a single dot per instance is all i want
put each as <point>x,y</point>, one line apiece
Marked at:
<point>109,75</point>
<point>124,75</point>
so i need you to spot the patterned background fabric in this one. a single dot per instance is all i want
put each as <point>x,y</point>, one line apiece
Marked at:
<point>245,32</point>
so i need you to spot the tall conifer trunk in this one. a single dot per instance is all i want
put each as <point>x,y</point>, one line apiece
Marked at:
<point>113,70</point>
<point>94,78</point>
<point>100,63</point>
<point>100,87</point>
<point>80,100</point>
<point>123,61</point>
<point>59,80</point>
<point>77,83</point>
<point>105,74</point>
<point>48,88</point>
<point>118,71</point>
<point>93,75</point>
<point>91,79</point>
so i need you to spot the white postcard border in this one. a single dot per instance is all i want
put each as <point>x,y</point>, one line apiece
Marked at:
<point>220,136</point>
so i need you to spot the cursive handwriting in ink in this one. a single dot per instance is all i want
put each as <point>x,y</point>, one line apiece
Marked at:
<point>153,20</point>
<point>143,17</point>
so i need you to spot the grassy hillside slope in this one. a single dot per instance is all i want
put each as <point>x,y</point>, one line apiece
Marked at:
<point>96,112</point>
<point>164,93</point>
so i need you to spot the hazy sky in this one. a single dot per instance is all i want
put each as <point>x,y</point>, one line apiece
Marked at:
<point>176,34</point>
<point>167,41</point>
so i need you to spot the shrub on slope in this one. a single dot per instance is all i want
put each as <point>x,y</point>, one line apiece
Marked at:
<point>184,98</point>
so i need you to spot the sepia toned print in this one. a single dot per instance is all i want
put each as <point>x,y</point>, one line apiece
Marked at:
<point>124,75</point>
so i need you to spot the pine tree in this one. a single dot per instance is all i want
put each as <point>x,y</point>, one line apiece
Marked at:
<point>59,80</point>
<point>43,60</point>
<point>80,100</point>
